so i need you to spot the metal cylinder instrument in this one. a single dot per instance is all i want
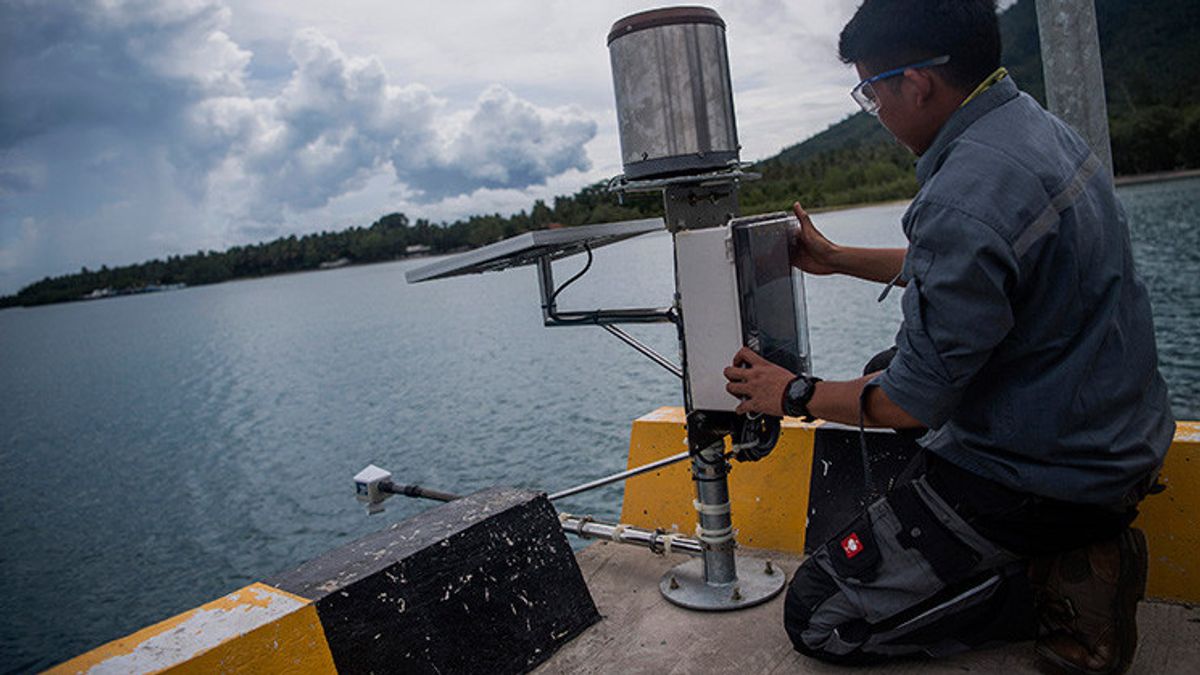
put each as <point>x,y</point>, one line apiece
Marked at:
<point>674,98</point>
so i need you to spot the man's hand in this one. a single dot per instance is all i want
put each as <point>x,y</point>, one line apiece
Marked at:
<point>758,382</point>
<point>809,249</point>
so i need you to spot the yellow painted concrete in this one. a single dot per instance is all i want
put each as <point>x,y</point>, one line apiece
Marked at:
<point>1171,521</point>
<point>293,644</point>
<point>769,498</point>
<point>254,629</point>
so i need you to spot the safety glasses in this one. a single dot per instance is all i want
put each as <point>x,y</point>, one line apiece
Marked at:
<point>864,93</point>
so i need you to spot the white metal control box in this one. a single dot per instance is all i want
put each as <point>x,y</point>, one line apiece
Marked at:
<point>737,287</point>
<point>708,301</point>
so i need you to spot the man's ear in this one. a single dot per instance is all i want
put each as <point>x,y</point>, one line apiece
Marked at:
<point>923,85</point>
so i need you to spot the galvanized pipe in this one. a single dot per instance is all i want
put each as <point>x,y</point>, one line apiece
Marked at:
<point>659,542</point>
<point>710,471</point>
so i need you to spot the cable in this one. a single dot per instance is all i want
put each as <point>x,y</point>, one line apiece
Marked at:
<point>568,282</point>
<point>589,317</point>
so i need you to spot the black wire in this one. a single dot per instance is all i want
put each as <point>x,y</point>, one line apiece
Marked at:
<point>587,318</point>
<point>594,317</point>
<point>568,282</point>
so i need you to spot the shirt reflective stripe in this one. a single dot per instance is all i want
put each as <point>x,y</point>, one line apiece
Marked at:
<point>1058,203</point>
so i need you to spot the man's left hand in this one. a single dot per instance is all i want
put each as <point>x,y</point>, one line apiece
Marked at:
<point>758,382</point>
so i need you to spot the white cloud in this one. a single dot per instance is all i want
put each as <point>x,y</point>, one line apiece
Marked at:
<point>504,142</point>
<point>144,105</point>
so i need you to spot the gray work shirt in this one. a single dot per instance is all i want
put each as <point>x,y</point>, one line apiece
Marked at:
<point>1027,345</point>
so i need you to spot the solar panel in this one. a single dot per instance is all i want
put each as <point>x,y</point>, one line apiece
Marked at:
<point>525,249</point>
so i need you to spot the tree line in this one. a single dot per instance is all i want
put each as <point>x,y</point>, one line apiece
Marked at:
<point>835,177</point>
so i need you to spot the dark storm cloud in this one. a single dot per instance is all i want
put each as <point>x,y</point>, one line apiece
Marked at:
<point>128,66</point>
<point>121,112</point>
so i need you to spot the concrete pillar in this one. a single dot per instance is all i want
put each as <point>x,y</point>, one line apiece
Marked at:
<point>1072,68</point>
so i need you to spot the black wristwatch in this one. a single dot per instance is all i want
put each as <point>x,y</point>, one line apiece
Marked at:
<point>797,395</point>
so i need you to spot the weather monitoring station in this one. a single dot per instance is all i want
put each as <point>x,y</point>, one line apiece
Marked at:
<point>734,284</point>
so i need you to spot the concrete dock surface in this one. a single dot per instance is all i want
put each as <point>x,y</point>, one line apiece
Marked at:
<point>643,633</point>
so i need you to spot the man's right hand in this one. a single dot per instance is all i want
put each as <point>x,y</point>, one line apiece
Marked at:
<point>809,249</point>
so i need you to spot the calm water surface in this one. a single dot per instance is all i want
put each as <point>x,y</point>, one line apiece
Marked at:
<point>159,451</point>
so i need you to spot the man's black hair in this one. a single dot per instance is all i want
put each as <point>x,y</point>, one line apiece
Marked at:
<point>886,34</point>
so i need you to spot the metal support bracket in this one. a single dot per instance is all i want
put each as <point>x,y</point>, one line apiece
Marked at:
<point>695,207</point>
<point>605,318</point>
<point>599,317</point>
<point>644,349</point>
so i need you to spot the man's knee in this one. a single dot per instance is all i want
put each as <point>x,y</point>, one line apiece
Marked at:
<point>809,596</point>
<point>810,587</point>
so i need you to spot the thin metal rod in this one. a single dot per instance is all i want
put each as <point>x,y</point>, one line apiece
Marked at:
<point>425,493</point>
<point>600,482</point>
<point>644,349</point>
<point>417,491</point>
<point>654,540</point>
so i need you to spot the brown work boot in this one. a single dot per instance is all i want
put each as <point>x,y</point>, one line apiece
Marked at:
<point>1087,605</point>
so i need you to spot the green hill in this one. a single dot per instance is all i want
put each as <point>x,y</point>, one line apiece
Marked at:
<point>1151,52</point>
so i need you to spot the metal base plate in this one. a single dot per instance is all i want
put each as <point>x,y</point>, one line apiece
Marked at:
<point>758,581</point>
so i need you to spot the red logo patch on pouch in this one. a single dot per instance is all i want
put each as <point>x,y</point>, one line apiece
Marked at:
<point>852,545</point>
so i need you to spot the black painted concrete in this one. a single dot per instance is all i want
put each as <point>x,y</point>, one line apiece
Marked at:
<point>487,583</point>
<point>839,490</point>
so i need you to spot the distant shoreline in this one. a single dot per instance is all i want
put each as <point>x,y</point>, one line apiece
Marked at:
<point>1119,181</point>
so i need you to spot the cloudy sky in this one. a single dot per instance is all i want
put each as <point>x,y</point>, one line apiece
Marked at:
<point>133,129</point>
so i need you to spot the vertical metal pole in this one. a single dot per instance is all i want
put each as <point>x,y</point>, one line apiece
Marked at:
<point>1073,70</point>
<point>712,492</point>
<point>546,286</point>
<point>713,581</point>
<point>691,207</point>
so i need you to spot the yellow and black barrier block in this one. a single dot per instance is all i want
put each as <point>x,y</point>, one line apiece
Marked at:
<point>484,584</point>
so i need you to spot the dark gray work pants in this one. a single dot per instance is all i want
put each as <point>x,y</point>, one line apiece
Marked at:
<point>936,566</point>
